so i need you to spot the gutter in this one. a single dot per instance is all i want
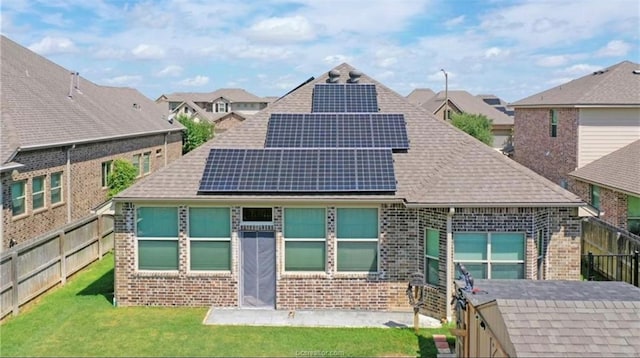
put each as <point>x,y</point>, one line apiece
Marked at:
<point>497,205</point>
<point>10,166</point>
<point>253,199</point>
<point>449,261</point>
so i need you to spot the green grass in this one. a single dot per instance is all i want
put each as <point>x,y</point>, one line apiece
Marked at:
<point>80,320</point>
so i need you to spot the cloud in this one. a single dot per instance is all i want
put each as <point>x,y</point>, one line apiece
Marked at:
<point>148,52</point>
<point>614,48</point>
<point>170,71</point>
<point>195,81</point>
<point>552,61</point>
<point>53,45</point>
<point>455,21</point>
<point>282,29</point>
<point>580,70</point>
<point>495,52</point>
<point>108,53</point>
<point>124,80</point>
<point>334,60</point>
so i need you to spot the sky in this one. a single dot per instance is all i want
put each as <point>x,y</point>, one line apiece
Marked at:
<point>512,49</point>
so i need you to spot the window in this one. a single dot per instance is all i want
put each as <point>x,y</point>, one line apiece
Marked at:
<point>37,192</point>
<point>633,214</point>
<point>107,168</point>
<point>432,256</point>
<point>357,236</point>
<point>595,196</point>
<point>541,250</point>
<point>222,107</point>
<point>305,239</point>
<point>209,239</point>
<point>553,119</point>
<point>18,197</point>
<point>159,152</point>
<point>260,216</point>
<point>146,163</point>
<point>56,188</point>
<point>136,162</point>
<point>157,233</point>
<point>491,255</point>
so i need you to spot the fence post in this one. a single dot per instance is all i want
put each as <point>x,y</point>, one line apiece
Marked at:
<point>589,265</point>
<point>63,259</point>
<point>635,268</point>
<point>100,230</point>
<point>14,282</point>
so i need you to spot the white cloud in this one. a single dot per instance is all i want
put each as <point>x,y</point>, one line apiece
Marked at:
<point>148,52</point>
<point>335,60</point>
<point>614,48</point>
<point>53,45</point>
<point>195,81</point>
<point>170,71</point>
<point>282,29</point>
<point>108,53</point>
<point>494,52</point>
<point>552,61</point>
<point>124,80</point>
<point>455,21</point>
<point>580,70</point>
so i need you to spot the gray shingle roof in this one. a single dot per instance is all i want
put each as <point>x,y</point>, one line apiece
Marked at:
<point>36,109</point>
<point>617,170</point>
<point>564,318</point>
<point>468,103</point>
<point>231,94</point>
<point>615,85</point>
<point>443,166</point>
<point>420,95</point>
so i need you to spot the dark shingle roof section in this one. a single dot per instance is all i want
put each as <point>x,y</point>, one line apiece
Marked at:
<point>37,110</point>
<point>443,166</point>
<point>468,103</point>
<point>617,170</point>
<point>615,85</point>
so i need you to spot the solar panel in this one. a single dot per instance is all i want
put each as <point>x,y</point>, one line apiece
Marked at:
<point>337,130</point>
<point>298,170</point>
<point>344,97</point>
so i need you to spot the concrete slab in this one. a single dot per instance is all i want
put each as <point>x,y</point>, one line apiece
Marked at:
<point>315,318</point>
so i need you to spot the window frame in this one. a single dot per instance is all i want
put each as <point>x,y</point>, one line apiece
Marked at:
<point>632,218</point>
<point>145,163</point>
<point>594,195</point>
<point>41,192</point>
<point>553,123</point>
<point>287,239</point>
<point>155,238</point>
<point>191,239</point>
<point>60,188</point>
<point>357,240</point>
<point>23,197</point>
<point>255,223</point>
<point>541,248</point>
<point>135,160</point>
<point>488,261</point>
<point>429,258</point>
<point>106,168</point>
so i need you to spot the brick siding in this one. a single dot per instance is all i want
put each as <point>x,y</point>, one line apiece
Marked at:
<point>613,204</point>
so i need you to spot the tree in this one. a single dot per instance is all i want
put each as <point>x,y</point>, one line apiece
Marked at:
<point>196,133</point>
<point>121,177</point>
<point>476,125</point>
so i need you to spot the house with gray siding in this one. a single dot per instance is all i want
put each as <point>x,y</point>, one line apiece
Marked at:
<point>59,137</point>
<point>304,207</point>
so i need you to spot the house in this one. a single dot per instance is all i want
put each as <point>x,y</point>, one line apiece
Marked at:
<point>497,103</point>
<point>611,185</point>
<point>60,134</point>
<point>224,107</point>
<point>465,102</point>
<point>420,96</point>
<point>330,198</point>
<point>568,126</point>
<point>525,318</point>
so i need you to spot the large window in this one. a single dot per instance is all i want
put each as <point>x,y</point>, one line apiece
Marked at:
<point>56,188</point>
<point>107,167</point>
<point>553,123</point>
<point>595,196</point>
<point>37,192</point>
<point>357,236</point>
<point>209,239</point>
<point>491,255</point>
<point>18,197</point>
<point>157,232</point>
<point>305,239</point>
<point>431,256</point>
<point>633,214</point>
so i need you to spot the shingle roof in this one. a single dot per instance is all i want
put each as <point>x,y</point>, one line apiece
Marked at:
<point>615,85</point>
<point>563,318</point>
<point>231,94</point>
<point>617,170</point>
<point>36,109</point>
<point>444,166</point>
<point>420,95</point>
<point>468,103</point>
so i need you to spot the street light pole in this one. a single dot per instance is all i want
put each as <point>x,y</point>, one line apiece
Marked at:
<point>446,94</point>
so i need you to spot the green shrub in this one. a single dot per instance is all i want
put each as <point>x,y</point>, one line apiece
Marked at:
<point>121,177</point>
<point>196,133</point>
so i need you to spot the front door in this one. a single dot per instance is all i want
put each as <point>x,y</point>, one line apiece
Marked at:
<point>258,268</point>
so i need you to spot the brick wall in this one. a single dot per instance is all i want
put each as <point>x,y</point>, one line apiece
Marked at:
<point>613,204</point>
<point>550,157</point>
<point>85,179</point>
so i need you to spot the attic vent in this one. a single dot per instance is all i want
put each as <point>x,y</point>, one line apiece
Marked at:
<point>354,76</point>
<point>600,72</point>
<point>334,75</point>
<point>636,72</point>
<point>136,106</point>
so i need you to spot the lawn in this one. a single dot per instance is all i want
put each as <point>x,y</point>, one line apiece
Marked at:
<point>80,320</point>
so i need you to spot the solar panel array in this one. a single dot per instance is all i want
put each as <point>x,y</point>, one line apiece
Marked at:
<point>298,170</point>
<point>344,97</point>
<point>337,130</point>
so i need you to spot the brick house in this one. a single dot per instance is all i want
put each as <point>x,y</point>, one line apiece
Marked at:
<point>611,185</point>
<point>566,127</point>
<point>240,221</point>
<point>60,135</point>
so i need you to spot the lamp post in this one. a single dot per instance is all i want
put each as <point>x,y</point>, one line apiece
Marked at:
<point>446,94</point>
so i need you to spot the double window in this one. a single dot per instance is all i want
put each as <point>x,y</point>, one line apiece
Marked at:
<point>209,239</point>
<point>157,233</point>
<point>357,238</point>
<point>305,239</point>
<point>633,214</point>
<point>431,256</point>
<point>142,163</point>
<point>553,123</point>
<point>491,255</point>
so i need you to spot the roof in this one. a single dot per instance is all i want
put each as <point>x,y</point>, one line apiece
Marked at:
<point>231,94</point>
<point>37,112</point>
<point>420,95</point>
<point>615,85</point>
<point>444,166</point>
<point>563,318</point>
<point>617,170</point>
<point>468,103</point>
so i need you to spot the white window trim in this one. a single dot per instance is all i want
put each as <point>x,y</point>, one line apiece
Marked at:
<point>339,240</point>
<point>488,261</point>
<point>24,200</point>
<point>209,239</point>
<point>138,238</point>
<point>142,160</point>
<point>43,192</point>
<point>293,239</point>
<point>61,187</point>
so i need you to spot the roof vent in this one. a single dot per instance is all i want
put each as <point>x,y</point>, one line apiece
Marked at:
<point>136,106</point>
<point>70,95</point>
<point>600,72</point>
<point>354,76</point>
<point>77,82</point>
<point>636,72</point>
<point>334,75</point>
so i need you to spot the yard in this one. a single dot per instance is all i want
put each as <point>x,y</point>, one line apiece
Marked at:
<point>80,320</point>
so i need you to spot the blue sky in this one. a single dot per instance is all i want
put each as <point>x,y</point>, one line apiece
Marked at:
<point>509,48</point>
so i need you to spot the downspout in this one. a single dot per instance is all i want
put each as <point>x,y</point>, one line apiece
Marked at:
<point>69,204</point>
<point>449,261</point>
<point>166,153</point>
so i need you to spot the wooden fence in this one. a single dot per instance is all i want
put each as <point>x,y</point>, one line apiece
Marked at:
<point>29,269</point>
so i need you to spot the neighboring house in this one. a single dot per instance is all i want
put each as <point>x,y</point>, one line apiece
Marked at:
<point>527,318</point>
<point>465,102</point>
<point>331,198</point>
<point>497,103</point>
<point>611,184</point>
<point>224,107</point>
<point>569,126</point>
<point>60,134</point>
<point>420,96</point>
